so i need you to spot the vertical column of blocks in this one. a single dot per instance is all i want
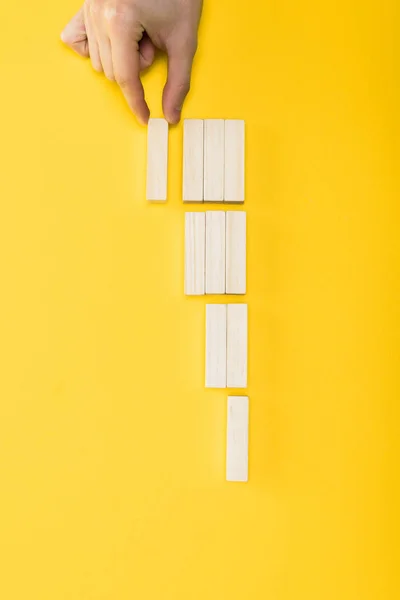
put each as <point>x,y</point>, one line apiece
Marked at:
<point>193,160</point>
<point>214,153</point>
<point>234,161</point>
<point>157,159</point>
<point>216,345</point>
<point>237,439</point>
<point>195,247</point>
<point>215,252</point>
<point>236,346</point>
<point>235,252</point>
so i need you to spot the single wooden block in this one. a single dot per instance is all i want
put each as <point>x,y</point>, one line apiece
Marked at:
<point>236,346</point>
<point>157,159</point>
<point>234,161</point>
<point>214,151</point>
<point>195,253</point>
<point>216,345</point>
<point>193,160</point>
<point>215,252</point>
<point>237,439</point>
<point>235,252</point>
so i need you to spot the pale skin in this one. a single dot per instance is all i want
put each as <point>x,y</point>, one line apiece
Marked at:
<point>121,38</point>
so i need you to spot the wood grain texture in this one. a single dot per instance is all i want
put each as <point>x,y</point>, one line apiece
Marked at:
<point>237,345</point>
<point>216,345</point>
<point>235,252</point>
<point>234,161</point>
<point>214,159</point>
<point>237,439</point>
<point>195,241</point>
<point>193,160</point>
<point>215,252</point>
<point>157,159</point>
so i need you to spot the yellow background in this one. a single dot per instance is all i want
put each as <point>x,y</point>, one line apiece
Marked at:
<point>111,450</point>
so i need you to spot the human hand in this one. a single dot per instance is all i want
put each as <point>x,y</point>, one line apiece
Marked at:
<point>121,38</point>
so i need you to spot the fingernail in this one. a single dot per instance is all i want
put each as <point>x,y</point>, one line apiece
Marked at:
<point>177,116</point>
<point>64,34</point>
<point>142,121</point>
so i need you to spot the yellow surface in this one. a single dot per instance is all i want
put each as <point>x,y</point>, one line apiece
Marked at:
<point>111,450</point>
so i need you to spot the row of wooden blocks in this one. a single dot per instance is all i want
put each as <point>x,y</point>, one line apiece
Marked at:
<point>226,345</point>
<point>213,160</point>
<point>215,252</point>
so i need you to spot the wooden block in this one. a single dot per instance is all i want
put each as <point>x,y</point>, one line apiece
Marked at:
<point>235,252</point>
<point>193,160</point>
<point>214,151</point>
<point>234,161</point>
<point>215,252</point>
<point>216,345</point>
<point>236,346</point>
<point>195,253</point>
<point>157,159</point>
<point>237,439</point>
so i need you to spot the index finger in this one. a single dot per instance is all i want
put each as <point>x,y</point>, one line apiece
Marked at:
<point>126,65</point>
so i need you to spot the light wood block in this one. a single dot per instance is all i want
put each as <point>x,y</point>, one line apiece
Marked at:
<point>195,253</point>
<point>237,346</point>
<point>157,159</point>
<point>234,161</point>
<point>237,439</point>
<point>215,252</point>
<point>235,252</point>
<point>216,345</point>
<point>214,152</point>
<point>193,160</point>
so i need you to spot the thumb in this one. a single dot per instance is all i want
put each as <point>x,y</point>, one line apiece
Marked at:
<point>74,35</point>
<point>178,83</point>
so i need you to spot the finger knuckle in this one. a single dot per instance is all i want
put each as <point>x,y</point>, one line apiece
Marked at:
<point>188,44</point>
<point>124,81</point>
<point>120,17</point>
<point>184,87</point>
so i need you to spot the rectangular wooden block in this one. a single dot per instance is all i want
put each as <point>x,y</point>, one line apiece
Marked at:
<point>157,159</point>
<point>234,161</point>
<point>215,252</point>
<point>235,252</point>
<point>214,152</point>
<point>237,440</point>
<point>193,160</point>
<point>216,345</point>
<point>195,253</point>
<point>236,371</point>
